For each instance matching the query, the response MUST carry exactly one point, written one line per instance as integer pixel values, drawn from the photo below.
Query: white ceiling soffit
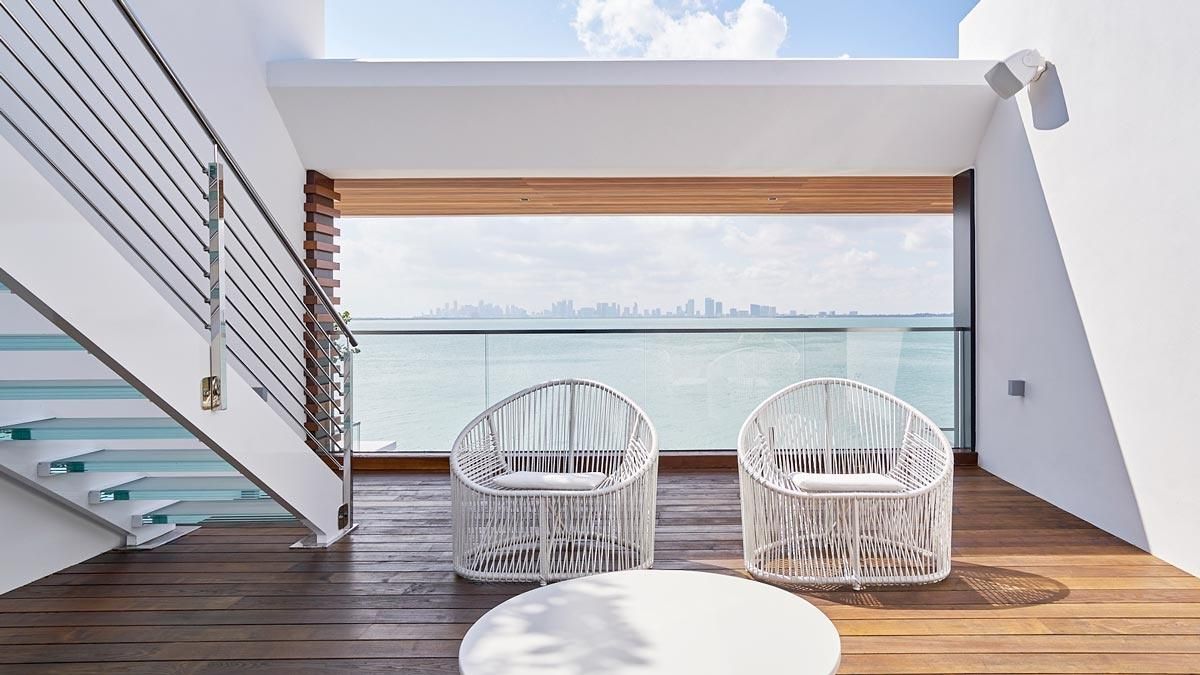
(370, 119)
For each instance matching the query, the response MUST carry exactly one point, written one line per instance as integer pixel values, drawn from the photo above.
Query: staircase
(72, 428)
(167, 358)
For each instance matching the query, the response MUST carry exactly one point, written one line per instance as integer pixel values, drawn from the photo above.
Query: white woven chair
(842, 483)
(564, 426)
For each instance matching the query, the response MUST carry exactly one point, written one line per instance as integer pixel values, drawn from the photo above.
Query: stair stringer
(45, 535)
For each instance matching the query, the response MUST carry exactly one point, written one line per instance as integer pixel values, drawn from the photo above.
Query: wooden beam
(312, 300)
(323, 209)
(327, 192)
(320, 245)
(697, 195)
(312, 245)
(321, 228)
(321, 264)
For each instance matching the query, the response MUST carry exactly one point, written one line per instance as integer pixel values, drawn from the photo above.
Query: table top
(652, 621)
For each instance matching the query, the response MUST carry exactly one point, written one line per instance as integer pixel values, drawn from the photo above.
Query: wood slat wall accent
(1033, 590)
(320, 246)
(699, 195)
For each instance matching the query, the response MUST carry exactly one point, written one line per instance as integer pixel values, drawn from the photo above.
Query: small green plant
(344, 345)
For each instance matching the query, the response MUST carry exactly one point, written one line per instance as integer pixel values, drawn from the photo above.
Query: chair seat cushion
(544, 480)
(846, 482)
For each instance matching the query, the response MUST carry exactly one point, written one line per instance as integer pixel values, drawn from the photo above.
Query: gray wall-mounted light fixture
(1016, 387)
(1028, 68)
(1011, 75)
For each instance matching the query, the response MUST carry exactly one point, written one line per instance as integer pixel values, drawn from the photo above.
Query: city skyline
(873, 264)
(567, 309)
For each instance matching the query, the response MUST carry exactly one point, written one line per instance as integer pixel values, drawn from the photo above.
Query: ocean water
(420, 390)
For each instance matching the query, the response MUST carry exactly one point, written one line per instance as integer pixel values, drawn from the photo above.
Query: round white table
(652, 621)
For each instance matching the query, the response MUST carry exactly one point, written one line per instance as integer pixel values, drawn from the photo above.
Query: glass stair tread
(186, 488)
(38, 343)
(201, 512)
(102, 422)
(133, 461)
(41, 390)
(96, 428)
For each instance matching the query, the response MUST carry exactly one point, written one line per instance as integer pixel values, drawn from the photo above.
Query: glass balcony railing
(419, 387)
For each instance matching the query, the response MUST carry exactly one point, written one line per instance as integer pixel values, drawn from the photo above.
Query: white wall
(220, 49)
(49, 536)
(1087, 268)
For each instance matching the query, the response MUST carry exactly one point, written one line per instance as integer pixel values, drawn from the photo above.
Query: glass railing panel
(916, 366)
(697, 386)
(703, 386)
(515, 362)
(418, 390)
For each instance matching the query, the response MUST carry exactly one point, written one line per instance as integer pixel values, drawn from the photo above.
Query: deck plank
(1033, 590)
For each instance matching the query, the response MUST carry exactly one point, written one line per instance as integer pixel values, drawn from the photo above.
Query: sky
(405, 267)
(449, 29)
(401, 267)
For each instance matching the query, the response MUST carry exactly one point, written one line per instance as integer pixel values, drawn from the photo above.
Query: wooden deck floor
(1034, 590)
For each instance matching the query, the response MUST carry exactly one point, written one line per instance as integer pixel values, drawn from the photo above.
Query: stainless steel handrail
(309, 278)
(328, 426)
(161, 185)
(658, 331)
(182, 138)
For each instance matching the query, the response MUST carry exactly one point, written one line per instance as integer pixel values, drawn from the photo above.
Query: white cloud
(632, 28)
(853, 258)
(405, 266)
(928, 235)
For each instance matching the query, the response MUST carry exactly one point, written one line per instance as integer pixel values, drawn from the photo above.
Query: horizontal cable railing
(86, 92)
(418, 385)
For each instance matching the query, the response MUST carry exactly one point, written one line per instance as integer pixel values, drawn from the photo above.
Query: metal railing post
(212, 396)
(329, 424)
(964, 391)
(346, 515)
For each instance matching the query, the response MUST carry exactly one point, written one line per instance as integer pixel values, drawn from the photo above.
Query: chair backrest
(566, 426)
(831, 425)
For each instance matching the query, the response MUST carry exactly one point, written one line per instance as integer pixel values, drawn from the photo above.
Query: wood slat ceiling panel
(706, 195)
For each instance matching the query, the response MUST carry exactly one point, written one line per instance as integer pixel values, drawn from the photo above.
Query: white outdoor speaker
(1012, 74)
